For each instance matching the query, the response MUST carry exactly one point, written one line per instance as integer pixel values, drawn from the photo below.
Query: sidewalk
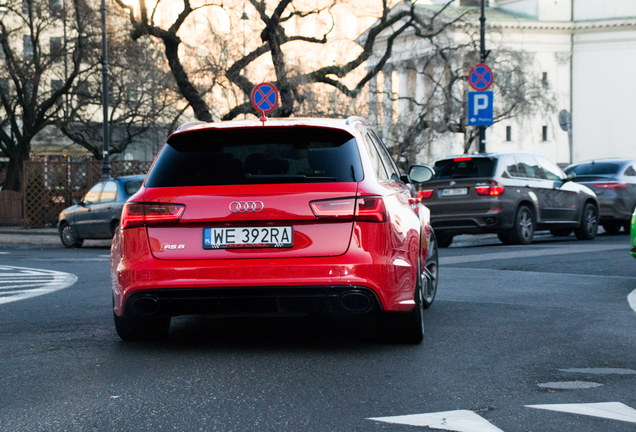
(39, 236)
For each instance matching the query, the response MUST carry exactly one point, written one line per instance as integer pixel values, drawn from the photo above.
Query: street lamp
(106, 161)
(244, 17)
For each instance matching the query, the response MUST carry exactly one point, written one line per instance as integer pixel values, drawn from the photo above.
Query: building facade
(581, 51)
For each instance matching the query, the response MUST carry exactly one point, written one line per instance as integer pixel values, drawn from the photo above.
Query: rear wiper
(286, 178)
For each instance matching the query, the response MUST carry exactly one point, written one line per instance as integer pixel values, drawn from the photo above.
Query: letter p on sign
(480, 108)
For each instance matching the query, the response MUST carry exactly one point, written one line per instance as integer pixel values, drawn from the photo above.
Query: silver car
(614, 181)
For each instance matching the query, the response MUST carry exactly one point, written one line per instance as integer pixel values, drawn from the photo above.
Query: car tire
(523, 230)
(612, 227)
(627, 226)
(561, 232)
(444, 240)
(140, 329)
(404, 327)
(114, 225)
(589, 223)
(429, 277)
(69, 238)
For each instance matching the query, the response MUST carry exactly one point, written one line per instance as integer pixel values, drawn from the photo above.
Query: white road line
(560, 250)
(19, 283)
(458, 421)
(631, 298)
(601, 371)
(608, 410)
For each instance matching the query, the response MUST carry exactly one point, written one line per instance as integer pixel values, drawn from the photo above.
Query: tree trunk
(15, 169)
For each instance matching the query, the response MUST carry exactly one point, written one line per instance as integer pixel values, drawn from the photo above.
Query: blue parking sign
(480, 110)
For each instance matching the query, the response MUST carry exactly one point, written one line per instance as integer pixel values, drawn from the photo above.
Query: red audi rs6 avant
(286, 217)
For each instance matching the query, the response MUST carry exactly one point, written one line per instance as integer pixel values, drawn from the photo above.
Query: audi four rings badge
(246, 206)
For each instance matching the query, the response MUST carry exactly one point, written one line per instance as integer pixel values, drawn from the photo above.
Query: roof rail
(356, 119)
(188, 125)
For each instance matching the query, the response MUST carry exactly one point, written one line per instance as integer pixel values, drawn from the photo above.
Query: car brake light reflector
(371, 209)
(340, 209)
(425, 194)
(461, 159)
(493, 189)
(611, 185)
(146, 214)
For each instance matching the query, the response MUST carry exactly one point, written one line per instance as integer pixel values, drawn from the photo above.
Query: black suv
(510, 194)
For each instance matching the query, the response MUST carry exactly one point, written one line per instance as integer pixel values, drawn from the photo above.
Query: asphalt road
(507, 325)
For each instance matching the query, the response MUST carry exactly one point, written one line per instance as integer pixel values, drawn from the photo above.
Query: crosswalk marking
(19, 283)
(608, 410)
(458, 421)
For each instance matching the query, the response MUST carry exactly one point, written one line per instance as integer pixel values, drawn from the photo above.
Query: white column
(403, 94)
(387, 102)
(420, 85)
(373, 101)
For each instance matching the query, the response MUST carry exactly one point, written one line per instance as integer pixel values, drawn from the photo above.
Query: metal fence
(50, 187)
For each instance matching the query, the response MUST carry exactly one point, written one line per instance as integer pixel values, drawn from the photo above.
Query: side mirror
(77, 202)
(420, 173)
(570, 176)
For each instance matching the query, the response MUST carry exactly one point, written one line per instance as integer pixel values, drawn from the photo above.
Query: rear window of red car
(257, 156)
(464, 168)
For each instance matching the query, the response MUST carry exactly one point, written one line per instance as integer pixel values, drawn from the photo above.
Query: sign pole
(482, 58)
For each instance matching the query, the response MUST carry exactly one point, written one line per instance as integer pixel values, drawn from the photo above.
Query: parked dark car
(614, 181)
(510, 194)
(98, 214)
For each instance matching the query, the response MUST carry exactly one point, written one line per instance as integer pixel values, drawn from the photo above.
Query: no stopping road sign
(265, 97)
(480, 77)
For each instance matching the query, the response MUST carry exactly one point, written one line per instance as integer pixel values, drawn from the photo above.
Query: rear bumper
(282, 285)
(614, 209)
(250, 301)
(472, 223)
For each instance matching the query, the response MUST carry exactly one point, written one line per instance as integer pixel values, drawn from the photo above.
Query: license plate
(248, 237)
(454, 192)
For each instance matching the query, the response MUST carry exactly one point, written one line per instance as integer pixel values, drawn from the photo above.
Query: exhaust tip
(355, 301)
(145, 305)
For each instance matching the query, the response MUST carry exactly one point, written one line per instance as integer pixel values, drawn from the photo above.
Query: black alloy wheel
(523, 230)
(405, 327)
(428, 278)
(627, 226)
(69, 238)
(589, 223)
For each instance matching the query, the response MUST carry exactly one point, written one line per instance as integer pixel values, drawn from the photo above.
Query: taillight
(493, 189)
(611, 185)
(340, 209)
(425, 194)
(461, 159)
(370, 209)
(136, 214)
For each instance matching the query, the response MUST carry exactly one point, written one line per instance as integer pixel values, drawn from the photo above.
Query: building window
(508, 133)
(55, 86)
(82, 92)
(544, 133)
(55, 6)
(472, 3)
(27, 47)
(4, 86)
(25, 7)
(55, 48)
(544, 79)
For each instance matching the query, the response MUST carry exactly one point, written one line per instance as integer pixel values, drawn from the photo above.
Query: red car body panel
(382, 256)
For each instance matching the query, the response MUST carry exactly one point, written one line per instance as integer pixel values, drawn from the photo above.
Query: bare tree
(272, 42)
(445, 64)
(34, 79)
(144, 102)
